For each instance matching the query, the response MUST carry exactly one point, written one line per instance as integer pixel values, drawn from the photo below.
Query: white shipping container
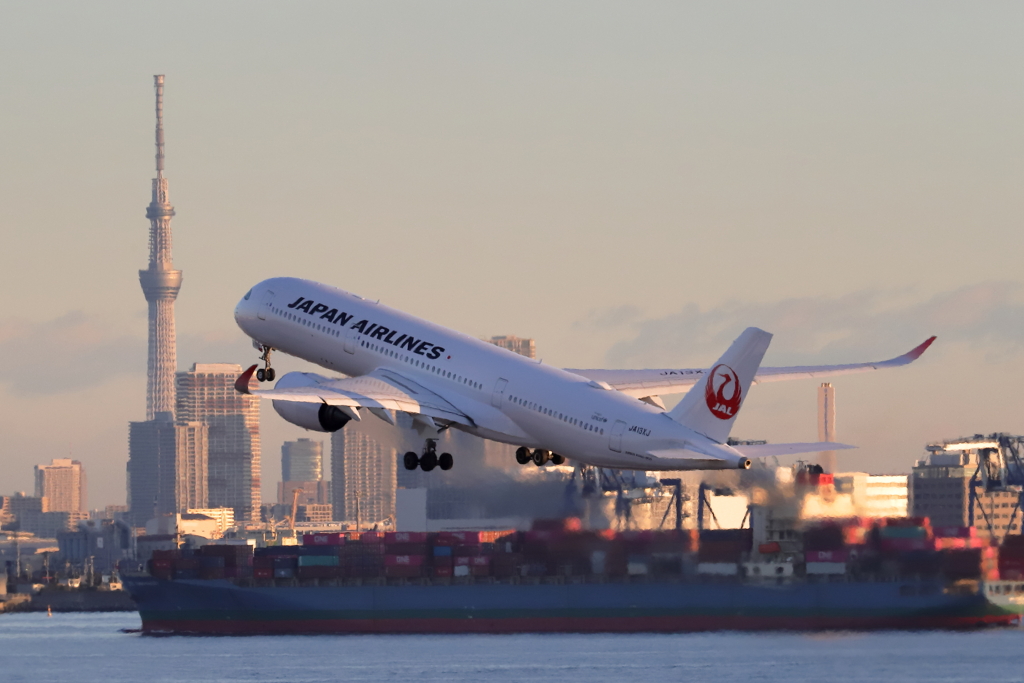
(461, 570)
(826, 567)
(718, 568)
(636, 568)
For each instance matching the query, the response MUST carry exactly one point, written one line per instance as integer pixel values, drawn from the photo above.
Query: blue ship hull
(226, 607)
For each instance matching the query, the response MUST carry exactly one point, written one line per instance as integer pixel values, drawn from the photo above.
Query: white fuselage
(545, 407)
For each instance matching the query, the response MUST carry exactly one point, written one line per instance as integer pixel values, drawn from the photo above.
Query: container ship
(852, 574)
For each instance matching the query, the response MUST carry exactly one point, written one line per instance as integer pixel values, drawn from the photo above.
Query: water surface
(90, 648)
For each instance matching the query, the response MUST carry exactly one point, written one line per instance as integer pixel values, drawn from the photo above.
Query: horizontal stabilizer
(763, 450)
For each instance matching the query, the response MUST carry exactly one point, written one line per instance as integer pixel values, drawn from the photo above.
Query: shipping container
(393, 537)
(718, 568)
(826, 568)
(323, 539)
(318, 561)
(404, 560)
(827, 555)
(404, 571)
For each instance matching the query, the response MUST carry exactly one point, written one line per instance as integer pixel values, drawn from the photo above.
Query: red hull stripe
(652, 624)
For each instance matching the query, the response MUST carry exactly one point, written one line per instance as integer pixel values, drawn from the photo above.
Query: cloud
(78, 350)
(72, 351)
(866, 325)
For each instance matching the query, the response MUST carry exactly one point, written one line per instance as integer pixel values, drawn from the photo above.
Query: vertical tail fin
(711, 406)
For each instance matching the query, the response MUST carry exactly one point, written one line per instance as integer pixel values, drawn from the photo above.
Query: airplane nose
(244, 308)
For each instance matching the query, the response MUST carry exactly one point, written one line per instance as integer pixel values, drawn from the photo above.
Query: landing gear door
(615, 439)
(350, 341)
(499, 392)
(265, 304)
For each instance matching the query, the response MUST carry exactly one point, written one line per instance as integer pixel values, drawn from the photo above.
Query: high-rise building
(62, 484)
(167, 467)
(941, 489)
(192, 465)
(206, 394)
(524, 347)
(363, 473)
(160, 282)
(302, 460)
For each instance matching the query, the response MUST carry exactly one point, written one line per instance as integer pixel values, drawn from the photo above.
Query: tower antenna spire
(158, 82)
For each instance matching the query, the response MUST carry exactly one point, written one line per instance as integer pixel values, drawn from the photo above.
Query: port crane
(1000, 467)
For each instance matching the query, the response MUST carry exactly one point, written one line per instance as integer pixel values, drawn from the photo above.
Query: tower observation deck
(160, 282)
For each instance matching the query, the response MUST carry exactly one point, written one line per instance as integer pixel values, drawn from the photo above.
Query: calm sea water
(87, 648)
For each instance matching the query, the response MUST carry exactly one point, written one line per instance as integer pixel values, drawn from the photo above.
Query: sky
(631, 184)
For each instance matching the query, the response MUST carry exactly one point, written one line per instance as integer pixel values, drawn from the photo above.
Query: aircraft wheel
(411, 461)
(428, 461)
(446, 461)
(523, 455)
(261, 375)
(557, 459)
(271, 374)
(540, 457)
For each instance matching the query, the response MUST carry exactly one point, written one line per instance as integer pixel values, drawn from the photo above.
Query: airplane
(397, 363)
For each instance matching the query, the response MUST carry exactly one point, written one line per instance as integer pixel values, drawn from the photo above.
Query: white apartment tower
(62, 485)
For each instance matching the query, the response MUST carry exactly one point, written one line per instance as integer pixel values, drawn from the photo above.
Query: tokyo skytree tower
(160, 282)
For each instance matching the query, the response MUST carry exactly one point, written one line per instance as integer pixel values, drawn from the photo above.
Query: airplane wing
(645, 383)
(377, 391)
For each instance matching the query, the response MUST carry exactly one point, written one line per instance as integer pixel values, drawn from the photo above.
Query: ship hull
(222, 607)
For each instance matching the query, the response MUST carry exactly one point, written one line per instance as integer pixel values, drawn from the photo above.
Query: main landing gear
(539, 457)
(429, 460)
(266, 373)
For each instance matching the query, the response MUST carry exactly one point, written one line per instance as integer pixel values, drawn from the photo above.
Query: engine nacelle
(318, 417)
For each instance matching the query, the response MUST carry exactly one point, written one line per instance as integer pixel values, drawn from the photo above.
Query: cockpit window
(247, 295)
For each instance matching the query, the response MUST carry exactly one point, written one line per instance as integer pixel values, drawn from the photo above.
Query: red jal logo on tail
(723, 393)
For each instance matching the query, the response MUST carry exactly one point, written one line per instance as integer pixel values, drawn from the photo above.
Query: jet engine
(319, 417)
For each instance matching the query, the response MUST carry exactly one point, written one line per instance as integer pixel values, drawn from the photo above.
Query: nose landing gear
(266, 373)
(429, 460)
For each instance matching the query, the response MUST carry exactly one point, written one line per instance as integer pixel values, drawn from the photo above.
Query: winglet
(918, 350)
(242, 383)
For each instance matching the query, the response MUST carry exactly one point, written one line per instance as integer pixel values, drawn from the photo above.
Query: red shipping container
(480, 561)
(443, 562)
(262, 572)
(480, 571)
(404, 560)
(443, 571)
(950, 542)
(543, 536)
(467, 550)
(323, 539)
(955, 532)
(403, 571)
(462, 561)
(827, 555)
(901, 545)
(371, 537)
(769, 548)
(460, 537)
(159, 554)
(392, 537)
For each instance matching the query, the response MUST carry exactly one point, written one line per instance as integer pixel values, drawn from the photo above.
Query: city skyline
(632, 191)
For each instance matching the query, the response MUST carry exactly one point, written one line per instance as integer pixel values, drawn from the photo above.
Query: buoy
(49, 613)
